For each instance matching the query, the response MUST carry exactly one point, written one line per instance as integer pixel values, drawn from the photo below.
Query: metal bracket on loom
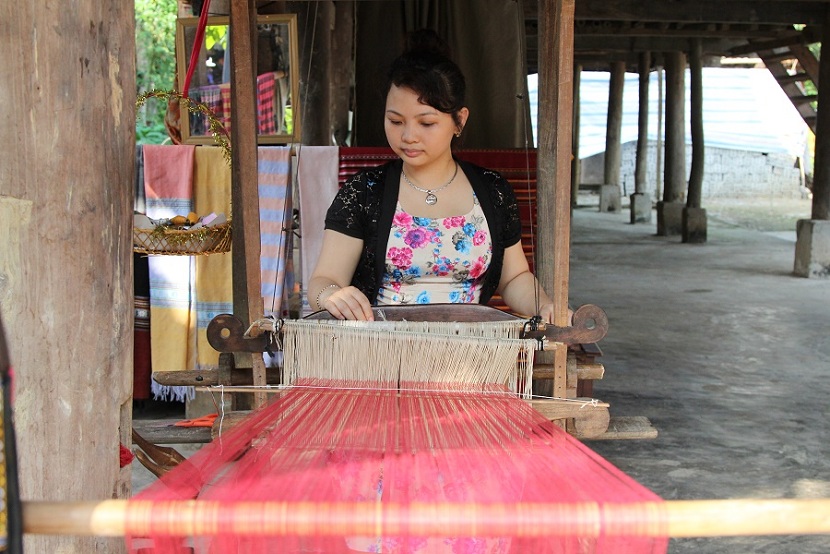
(589, 325)
(227, 333)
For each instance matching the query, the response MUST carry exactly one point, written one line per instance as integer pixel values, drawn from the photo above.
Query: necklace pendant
(431, 199)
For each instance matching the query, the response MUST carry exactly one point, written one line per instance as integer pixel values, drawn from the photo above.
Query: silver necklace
(431, 197)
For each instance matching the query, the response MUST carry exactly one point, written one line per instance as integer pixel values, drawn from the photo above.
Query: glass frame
(278, 111)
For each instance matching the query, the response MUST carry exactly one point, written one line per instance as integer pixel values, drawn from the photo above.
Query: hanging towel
(317, 169)
(225, 96)
(266, 88)
(214, 289)
(275, 217)
(168, 186)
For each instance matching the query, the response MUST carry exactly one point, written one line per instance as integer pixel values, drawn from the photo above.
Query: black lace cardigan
(365, 205)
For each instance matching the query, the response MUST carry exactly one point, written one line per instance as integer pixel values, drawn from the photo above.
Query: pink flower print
(478, 268)
(479, 237)
(455, 221)
(402, 219)
(443, 266)
(400, 257)
(416, 238)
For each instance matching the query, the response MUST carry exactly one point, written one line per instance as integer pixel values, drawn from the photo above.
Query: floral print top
(436, 260)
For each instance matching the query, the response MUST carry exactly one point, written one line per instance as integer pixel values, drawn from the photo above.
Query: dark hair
(426, 68)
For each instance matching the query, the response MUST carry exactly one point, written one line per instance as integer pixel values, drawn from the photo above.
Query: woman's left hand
(546, 313)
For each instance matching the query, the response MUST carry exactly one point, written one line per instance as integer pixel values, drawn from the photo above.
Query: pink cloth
(317, 170)
(168, 175)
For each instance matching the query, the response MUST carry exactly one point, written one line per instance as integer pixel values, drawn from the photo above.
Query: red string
(197, 46)
(395, 450)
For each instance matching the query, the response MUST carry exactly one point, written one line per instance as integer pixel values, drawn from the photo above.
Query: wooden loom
(540, 523)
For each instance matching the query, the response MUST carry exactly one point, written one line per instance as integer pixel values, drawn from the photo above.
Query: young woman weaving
(425, 228)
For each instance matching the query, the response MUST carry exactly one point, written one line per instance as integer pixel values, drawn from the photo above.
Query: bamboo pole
(677, 518)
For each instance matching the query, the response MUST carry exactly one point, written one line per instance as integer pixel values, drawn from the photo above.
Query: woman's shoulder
(369, 179)
(489, 179)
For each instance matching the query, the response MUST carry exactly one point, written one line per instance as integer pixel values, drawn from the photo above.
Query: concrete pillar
(694, 217)
(694, 225)
(670, 209)
(613, 142)
(610, 198)
(640, 205)
(812, 248)
(670, 218)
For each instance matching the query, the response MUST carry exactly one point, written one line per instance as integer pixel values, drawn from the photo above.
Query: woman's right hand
(347, 303)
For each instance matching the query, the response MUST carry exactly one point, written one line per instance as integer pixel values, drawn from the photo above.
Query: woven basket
(182, 242)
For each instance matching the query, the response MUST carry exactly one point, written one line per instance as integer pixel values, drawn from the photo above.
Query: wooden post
(342, 46)
(641, 163)
(556, 33)
(575, 163)
(821, 175)
(67, 175)
(613, 130)
(696, 93)
(315, 21)
(246, 251)
(658, 158)
(674, 182)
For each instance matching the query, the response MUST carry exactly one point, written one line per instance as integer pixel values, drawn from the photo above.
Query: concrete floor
(725, 352)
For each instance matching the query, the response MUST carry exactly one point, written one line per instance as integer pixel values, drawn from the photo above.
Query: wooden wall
(66, 194)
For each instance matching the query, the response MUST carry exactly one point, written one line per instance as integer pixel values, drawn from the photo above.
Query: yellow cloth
(213, 283)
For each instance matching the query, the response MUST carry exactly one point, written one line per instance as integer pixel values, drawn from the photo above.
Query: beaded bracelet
(319, 294)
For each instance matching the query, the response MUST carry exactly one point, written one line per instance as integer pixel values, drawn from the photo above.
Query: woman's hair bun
(427, 41)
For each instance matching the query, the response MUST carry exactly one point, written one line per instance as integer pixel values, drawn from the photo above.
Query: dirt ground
(760, 214)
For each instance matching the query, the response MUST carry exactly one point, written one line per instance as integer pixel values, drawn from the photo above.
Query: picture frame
(277, 75)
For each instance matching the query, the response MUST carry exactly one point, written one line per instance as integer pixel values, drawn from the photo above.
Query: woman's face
(417, 132)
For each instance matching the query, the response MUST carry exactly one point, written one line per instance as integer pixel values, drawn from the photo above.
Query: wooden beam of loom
(677, 518)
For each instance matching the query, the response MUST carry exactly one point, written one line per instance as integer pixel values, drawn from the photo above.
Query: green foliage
(155, 38)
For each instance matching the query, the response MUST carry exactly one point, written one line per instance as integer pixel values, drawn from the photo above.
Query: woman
(425, 228)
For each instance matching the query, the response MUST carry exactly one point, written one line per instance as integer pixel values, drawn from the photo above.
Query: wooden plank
(712, 11)
(556, 35)
(162, 431)
(213, 377)
(246, 251)
(584, 371)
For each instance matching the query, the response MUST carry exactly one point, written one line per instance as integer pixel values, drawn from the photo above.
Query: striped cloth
(275, 214)
(225, 97)
(168, 186)
(266, 89)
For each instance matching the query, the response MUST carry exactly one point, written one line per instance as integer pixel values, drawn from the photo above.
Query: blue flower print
(422, 221)
(463, 246)
(423, 298)
(469, 229)
(455, 297)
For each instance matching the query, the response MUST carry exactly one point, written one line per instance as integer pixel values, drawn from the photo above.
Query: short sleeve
(508, 204)
(347, 211)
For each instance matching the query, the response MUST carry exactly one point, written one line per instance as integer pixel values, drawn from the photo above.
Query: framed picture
(277, 82)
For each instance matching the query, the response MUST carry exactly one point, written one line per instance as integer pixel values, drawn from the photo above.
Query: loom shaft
(683, 518)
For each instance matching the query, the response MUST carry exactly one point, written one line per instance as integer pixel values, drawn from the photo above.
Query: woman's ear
(463, 114)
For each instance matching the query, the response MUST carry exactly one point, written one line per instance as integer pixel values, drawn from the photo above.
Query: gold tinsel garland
(220, 134)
